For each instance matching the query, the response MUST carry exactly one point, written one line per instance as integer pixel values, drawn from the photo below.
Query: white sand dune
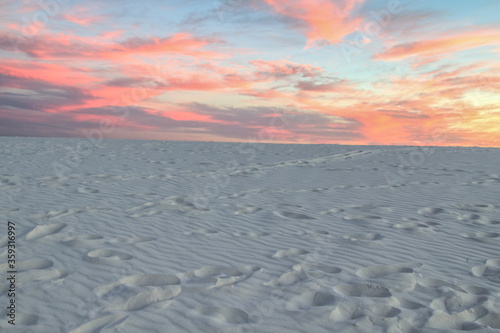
(150, 236)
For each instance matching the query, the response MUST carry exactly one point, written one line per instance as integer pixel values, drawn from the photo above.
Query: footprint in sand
(492, 319)
(315, 267)
(430, 211)
(438, 284)
(377, 271)
(247, 210)
(225, 315)
(285, 205)
(57, 214)
(106, 257)
(310, 299)
(144, 299)
(465, 320)
(96, 325)
(35, 270)
(490, 270)
(332, 211)
(314, 233)
(372, 209)
(482, 236)
(90, 240)
(401, 282)
(476, 219)
(250, 234)
(7, 184)
(41, 275)
(27, 265)
(108, 178)
(468, 217)
(86, 190)
(85, 240)
(415, 226)
(364, 237)
(132, 240)
(233, 196)
(218, 276)
(362, 290)
(406, 304)
(476, 208)
(287, 279)
(364, 219)
(52, 181)
(289, 253)
(487, 221)
(424, 183)
(441, 287)
(316, 271)
(147, 213)
(44, 230)
(175, 203)
(347, 311)
(294, 216)
(454, 302)
(201, 232)
(140, 280)
(320, 189)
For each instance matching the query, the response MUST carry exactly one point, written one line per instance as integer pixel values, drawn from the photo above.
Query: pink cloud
(81, 19)
(323, 20)
(111, 34)
(281, 68)
(436, 48)
(56, 46)
(53, 73)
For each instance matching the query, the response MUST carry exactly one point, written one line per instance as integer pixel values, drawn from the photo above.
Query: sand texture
(151, 236)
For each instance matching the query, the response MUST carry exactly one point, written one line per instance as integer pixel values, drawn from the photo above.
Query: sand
(152, 236)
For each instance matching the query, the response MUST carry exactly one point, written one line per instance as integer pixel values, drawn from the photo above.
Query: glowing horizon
(381, 72)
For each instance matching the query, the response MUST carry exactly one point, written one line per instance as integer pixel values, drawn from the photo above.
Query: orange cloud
(460, 103)
(438, 47)
(324, 20)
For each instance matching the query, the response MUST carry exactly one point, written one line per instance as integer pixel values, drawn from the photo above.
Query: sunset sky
(391, 72)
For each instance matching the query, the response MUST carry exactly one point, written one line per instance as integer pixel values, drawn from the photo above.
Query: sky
(363, 72)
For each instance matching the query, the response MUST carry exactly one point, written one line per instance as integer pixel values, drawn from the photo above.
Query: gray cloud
(45, 93)
(233, 123)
